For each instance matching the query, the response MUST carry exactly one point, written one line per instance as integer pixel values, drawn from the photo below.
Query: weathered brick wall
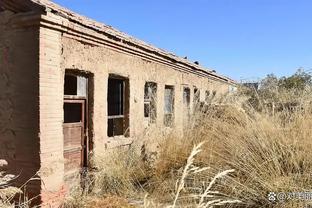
(19, 91)
(51, 82)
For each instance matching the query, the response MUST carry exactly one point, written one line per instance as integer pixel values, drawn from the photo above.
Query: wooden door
(74, 136)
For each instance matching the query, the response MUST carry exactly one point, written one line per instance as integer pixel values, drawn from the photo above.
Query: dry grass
(111, 177)
(11, 196)
(94, 201)
(118, 177)
(207, 198)
(7, 191)
(261, 152)
(270, 153)
(110, 202)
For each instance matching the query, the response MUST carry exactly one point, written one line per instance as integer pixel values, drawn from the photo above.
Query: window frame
(118, 124)
(169, 116)
(150, 100)
(207, 96)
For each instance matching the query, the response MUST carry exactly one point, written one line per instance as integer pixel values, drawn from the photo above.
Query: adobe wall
(19, 92)
(102, 61)
(64, 48)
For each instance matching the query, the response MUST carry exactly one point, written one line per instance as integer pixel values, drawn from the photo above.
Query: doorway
(75, 124)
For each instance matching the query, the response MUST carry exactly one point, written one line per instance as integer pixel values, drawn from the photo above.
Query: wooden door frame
(84, 122)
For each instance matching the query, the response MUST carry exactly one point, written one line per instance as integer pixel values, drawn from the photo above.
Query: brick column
(51, 117)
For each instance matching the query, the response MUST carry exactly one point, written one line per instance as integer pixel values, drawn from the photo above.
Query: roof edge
(44, 6)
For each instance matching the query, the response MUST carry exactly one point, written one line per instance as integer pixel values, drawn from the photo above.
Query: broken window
(196, 96)
(196, 99)
(115, 97)
(70, 85)
(118, 106)
(72, 112)
(150, 92)
(75, 85)
(207, 96)
(186, 97)
(214, 93)
(169, 105)
(186, 102)
(75, 91)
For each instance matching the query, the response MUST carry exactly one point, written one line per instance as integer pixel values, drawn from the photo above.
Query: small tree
(269, 88)
(299, 81)
(278, 92)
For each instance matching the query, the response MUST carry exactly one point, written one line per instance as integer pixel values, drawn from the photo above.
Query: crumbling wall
(102, 61)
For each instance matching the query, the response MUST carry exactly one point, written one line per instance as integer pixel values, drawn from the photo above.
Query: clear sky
(237, 38)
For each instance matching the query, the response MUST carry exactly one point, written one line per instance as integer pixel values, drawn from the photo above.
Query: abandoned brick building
(70, 85)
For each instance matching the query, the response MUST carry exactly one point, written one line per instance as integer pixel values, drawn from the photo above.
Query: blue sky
(237, 38)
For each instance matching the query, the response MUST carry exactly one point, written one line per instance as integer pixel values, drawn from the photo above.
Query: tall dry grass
(117, 176)
(270, 152)
(244, 155)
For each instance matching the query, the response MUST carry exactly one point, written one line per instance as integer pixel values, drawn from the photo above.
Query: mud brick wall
(102, 61)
